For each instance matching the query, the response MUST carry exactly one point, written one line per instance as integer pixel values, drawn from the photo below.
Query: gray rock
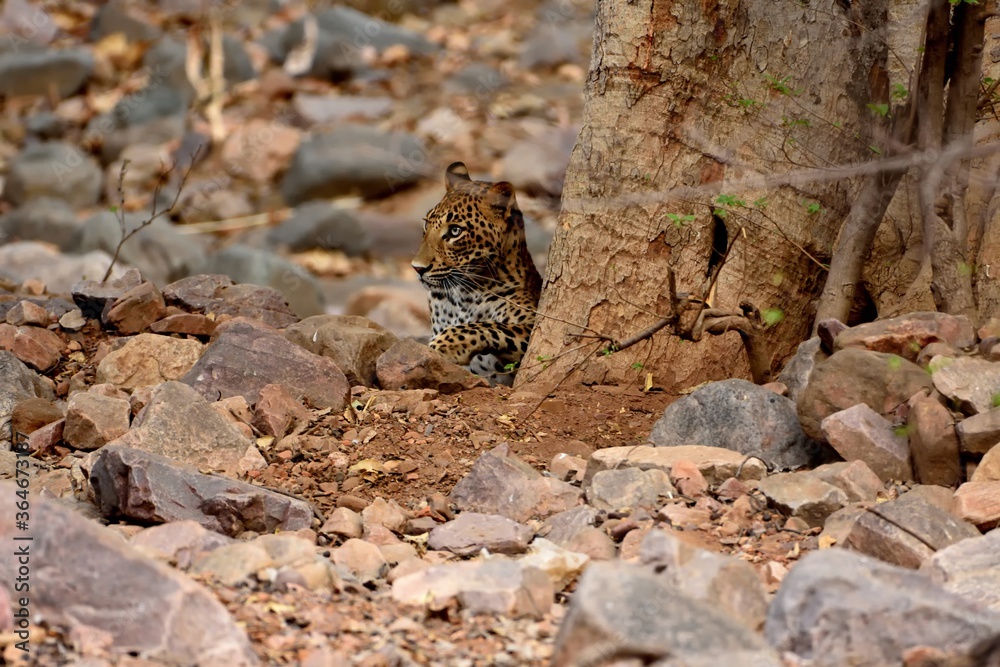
(53, 169)
(494, 587)
(973, 384)
(838, 608)
(17, 383)
(353, 343)
(500, 483)
(621, 610)
(148, 488)
(217, 294)
(179, 424)
(537, 165)
(246, 356)
(472, 532)
(563, 527)
(802, 495)
(318, 224)
(628, 488)
(980, 433)
(46, 219)
(740, 416)
(323, 109)
(479, 79)
(722, 582)
(861, 434)
(906, 531)
(795, 375)
(342, 34)
(160, 253)
(970, 568)
(352, 160)
(113, 17)
(31, 72)
(237, 66)
(166, 617)
(27, 259)
(153, 115)
(881, 381)
(262, 267)
(178, 542)
(550, 44)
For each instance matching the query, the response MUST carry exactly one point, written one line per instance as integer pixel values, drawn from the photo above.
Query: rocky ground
(238, 452)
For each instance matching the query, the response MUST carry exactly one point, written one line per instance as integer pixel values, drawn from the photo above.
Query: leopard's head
(469, 234)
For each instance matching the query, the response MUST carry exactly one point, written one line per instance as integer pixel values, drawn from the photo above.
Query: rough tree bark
(685, 101)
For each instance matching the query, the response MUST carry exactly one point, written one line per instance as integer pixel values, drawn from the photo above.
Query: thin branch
(154, 214)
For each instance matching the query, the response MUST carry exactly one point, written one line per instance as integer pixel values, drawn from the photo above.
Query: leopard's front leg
(485, 348)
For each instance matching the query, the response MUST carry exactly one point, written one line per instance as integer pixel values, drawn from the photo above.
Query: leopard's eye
(454, 231)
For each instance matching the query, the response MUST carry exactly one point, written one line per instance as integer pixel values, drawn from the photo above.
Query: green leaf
(895, 362)
(880, 109)
(772, 316)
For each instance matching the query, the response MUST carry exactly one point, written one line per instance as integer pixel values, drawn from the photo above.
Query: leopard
(482, 282)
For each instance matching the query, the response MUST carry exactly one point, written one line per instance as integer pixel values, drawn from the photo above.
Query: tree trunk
(761, 102)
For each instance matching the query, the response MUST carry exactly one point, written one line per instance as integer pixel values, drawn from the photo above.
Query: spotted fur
(483, 285)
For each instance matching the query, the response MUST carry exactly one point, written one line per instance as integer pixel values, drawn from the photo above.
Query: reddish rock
(881, 381)
(344, 522)
(568, 468)
(688, 479)
(178, 423)
(277, 411)
(978, 503)
(410, 365)
(92, 296)
(47, 436)
(715, 463)
(989, 467)
(631, 488)
(191, 324)
(178, 542)
(135, 310)
(245, 356)
(217, 294)
(362, 560)
(933, 442)
(149, 488)
(802, 495)
(38, 348)
(93, 420)
(383, 513)
(353, 343)
(27, 313)
(32, 414)
(860, 433)
(148, 360)
(908, 334)
(855, 478)
(906, 531)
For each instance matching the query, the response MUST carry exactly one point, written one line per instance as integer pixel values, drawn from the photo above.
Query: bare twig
(154, 214)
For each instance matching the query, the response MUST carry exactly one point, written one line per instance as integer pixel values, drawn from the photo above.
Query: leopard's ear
(501, 195)
(456, 171)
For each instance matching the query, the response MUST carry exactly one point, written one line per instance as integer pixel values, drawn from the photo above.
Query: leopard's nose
(421, 269)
